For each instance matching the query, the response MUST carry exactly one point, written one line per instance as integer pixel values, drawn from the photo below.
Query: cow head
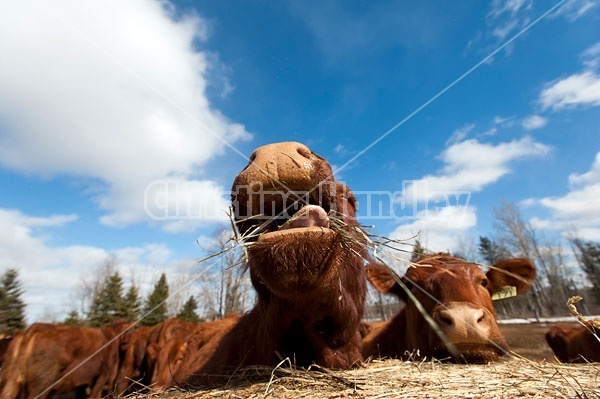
(305, 248)
(458, 297)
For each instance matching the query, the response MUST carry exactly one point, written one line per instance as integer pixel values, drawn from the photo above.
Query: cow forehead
(449, 273)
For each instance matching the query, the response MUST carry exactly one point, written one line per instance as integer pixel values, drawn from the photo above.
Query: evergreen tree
(491, 252)
(588, 257)
(418, 252)
(73, 319)
(156, 303)
(12, 307)
(108, 305)
(133, 305)
(188, 311)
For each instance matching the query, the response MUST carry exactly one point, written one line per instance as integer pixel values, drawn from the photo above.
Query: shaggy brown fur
(309, 278)
(52, 358)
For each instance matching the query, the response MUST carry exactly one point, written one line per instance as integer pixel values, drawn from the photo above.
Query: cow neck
(394, 334)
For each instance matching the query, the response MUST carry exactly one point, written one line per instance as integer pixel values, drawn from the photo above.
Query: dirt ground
(528, 340)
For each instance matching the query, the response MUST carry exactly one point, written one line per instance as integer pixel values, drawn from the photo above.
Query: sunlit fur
(310, 282)
(439, 283)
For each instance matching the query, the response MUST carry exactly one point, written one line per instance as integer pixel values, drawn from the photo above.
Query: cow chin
(297, 260)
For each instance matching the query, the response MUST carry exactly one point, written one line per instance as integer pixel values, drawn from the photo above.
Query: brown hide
(457, 296)
(4, 342)
(308, 274)
(575, 344)
(61, 359)
(171, 347)
(202, 343)
(134, 371)
(159, 336)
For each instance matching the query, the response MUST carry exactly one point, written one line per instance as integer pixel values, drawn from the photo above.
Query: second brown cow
(457, 295)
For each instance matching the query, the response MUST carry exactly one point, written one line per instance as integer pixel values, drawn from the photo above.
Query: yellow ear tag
(508, 291)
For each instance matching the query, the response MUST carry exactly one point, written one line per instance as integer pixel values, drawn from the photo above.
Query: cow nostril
(303, 151)
(252, 157)
(446, 320)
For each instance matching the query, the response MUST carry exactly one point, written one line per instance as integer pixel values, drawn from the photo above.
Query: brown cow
(4, 342)
(458, 297)
(305, 265)
(176, 353)
(134, 371)
(49, 359)
(168, 350)
(150, 355)
(575, 344)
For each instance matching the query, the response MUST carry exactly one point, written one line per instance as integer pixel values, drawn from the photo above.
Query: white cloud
(502, 121)
(460, 134)
(591, 56)
(578, 209)
(471, 165)
(24, 249)
(440, 230)
(50, 274)
(507, 16)
(341, 150)
(578, 89)
(511, 7)
(503, 31)
(589, 178)
(533, 122)
(574, 9)
(118, 97)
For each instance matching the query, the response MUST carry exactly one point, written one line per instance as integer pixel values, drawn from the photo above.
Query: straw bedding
(508, 378)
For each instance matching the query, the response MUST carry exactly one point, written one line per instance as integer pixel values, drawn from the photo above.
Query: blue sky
(100, 101)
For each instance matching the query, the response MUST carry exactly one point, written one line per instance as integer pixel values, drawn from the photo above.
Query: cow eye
(484, 282)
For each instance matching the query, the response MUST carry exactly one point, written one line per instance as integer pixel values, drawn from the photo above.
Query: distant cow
(4, 342)
(458, 297)
(49, 359)
(305, 263)
(168, 349)
(575, 344)
(134, 371)
(182, 351)
(152, 354)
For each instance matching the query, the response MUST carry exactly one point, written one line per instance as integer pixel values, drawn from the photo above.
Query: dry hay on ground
(508, 378)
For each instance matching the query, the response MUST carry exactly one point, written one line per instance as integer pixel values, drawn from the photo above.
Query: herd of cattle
(310, 271)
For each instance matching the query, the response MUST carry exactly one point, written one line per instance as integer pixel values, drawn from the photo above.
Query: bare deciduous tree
(552, 288)
(226, 287)
(91, 284)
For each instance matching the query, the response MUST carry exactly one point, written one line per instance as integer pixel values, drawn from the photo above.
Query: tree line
(111, 303)
(225, 288)
(103, 296)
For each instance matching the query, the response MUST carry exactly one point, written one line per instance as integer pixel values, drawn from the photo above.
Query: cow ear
(518, 273)
(384, 279)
